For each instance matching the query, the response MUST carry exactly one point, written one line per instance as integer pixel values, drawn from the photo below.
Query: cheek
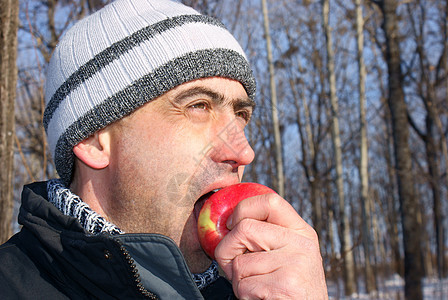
(164, 159)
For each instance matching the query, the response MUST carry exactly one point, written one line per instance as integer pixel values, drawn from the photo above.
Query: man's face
(173, 150)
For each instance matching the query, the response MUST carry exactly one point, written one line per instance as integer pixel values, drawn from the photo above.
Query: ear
(94, 151)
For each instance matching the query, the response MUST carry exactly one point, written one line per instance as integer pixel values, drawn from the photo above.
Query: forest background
(351, 123)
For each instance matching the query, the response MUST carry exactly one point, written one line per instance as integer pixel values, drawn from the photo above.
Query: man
(146, 103)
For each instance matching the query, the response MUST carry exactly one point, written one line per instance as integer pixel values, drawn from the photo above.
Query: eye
(200, 106)
(199, 111)
(243, 114)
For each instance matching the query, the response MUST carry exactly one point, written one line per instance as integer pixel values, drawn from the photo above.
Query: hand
(271, 252)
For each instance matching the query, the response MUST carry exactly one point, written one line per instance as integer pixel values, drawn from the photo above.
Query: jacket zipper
(136, 275)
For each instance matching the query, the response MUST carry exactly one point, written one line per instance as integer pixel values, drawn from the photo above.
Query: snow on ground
(393, 288)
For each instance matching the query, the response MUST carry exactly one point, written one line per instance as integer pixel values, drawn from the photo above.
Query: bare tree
(280, 179)
(9, 10)
(346, 243)
(392, 219)
(426, 91)
(409, 206)
(364, 160)
(386, 190)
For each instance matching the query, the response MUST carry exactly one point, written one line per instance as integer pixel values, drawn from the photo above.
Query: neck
(89, 188)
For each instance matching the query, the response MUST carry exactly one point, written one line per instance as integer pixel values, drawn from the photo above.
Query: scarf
(71, 205)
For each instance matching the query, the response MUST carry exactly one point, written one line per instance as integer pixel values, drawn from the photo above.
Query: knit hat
(126, 54)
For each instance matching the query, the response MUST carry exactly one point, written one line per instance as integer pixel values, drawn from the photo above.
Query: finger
(290, 282)
(270, 208)
(248, 288)
(249, 235)
(255, 236)
(263, 263)
(268, 286)
(257, 263)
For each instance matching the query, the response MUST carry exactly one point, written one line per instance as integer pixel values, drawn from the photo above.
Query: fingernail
(229, 222)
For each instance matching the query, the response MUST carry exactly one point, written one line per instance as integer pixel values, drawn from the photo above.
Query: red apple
(217, 209)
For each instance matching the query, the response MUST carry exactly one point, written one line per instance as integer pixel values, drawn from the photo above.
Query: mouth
(200, 202)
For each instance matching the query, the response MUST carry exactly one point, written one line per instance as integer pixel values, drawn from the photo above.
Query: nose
(231, 145)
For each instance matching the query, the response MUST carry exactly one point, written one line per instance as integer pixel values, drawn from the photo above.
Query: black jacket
(53, 257)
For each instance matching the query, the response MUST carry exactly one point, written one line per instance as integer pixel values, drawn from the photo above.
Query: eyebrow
(217, 98)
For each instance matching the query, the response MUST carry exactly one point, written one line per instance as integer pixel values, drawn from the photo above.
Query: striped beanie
(126, 54)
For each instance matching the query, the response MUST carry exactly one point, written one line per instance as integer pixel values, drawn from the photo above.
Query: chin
(198, 262)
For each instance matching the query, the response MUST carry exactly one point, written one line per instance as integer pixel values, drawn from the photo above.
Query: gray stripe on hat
(114, 52)
(199, 64)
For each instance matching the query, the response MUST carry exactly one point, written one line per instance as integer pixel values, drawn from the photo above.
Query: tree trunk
(9, 10)
(390, 191)
(346, 243)
(427, 258)
(363, 164)
(378, 244)
(413, 271)
(426, 89)
(308, 163)
(280, 180)
(443, 146)
(434, 174)
(392, 212)
(335, 263)
(443, 140)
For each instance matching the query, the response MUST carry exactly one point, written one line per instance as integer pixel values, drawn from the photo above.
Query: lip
(208, 191)
(200, 202)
